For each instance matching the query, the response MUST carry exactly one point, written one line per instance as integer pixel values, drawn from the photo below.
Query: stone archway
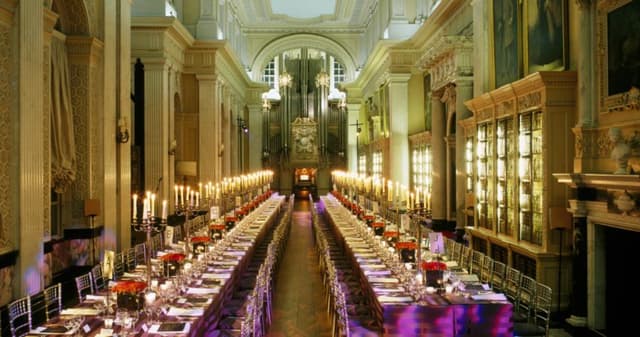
(73, 17)
(341, 53)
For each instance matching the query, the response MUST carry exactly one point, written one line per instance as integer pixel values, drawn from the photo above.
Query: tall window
(269, 74)
(421, 160)
(376, 164)
(362, 164)
(337, 72)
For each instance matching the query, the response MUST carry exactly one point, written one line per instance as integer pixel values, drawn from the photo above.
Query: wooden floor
(298, 303)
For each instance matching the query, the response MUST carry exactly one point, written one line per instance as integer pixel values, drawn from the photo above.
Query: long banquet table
(197, 308)
(398, 310)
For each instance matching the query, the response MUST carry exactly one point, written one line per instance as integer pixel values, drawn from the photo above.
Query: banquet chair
(53, 300)
(118, 265)
(486, 272)
(477, 258)
(130, 259)
(97, 277)
(454, 255)
(539, 325)
(526, 296)
(498, 276)
(141, 253)
(511, 285)
(20, 316)
(84, 283)
(465, 257)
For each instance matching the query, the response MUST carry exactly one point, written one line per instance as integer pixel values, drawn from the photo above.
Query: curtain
(63, 147)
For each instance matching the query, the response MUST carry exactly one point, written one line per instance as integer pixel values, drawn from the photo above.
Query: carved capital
(583, 4)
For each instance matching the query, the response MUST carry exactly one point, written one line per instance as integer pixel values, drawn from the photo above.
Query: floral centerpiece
(199, 244)
(172, 263)
(434, 271)
(215, 230)
(130, 294)
(230, 221)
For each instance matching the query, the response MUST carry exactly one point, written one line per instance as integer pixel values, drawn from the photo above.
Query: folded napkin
(95, 298)
(173, 311)
(395, 299)
(203, 291)
(170, 328)
(216, 275)
(489, 297)
(79, 312)
(377, 272)
(383, 279)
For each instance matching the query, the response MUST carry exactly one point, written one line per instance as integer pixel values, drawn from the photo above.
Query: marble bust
(621, 150)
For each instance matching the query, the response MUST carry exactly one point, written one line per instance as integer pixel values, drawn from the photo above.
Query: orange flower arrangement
(173, 257)
(433, 265)
(200, 239)
(129, 287)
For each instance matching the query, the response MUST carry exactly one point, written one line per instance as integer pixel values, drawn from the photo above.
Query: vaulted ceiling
(308, 16)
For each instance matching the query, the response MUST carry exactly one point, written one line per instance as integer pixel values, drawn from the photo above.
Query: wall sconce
(122, 132)
(172, 147)
(242, 125)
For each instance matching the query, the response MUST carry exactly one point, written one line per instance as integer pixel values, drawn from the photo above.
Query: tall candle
(164, 209)
(200, 188)
(176, 193)
(145, 208)
(135, 206)
(153, 204)
(182, 194)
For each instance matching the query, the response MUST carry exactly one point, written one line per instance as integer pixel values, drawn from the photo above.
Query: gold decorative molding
(419, 139)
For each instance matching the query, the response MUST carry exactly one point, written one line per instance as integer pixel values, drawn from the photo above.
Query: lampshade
(91, 207)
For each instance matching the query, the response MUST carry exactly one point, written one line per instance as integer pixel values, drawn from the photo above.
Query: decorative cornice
(629, 182)
(448, 58)
(418, 139)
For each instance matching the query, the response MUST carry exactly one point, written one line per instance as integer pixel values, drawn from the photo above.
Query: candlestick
(164, 209)
(135, 206)
(176, 193)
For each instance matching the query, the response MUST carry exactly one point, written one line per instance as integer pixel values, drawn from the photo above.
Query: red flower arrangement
(129, 287)
(433, 265)
(172, 257)
(200, 239)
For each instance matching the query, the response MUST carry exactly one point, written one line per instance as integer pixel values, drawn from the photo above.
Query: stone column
(438, 173)
(353, 110)
(481, 38)
(399, 128)
(156, 127)
(464, 92)
(31, 194)
(119, 237)
(227, 128)
(587, 96)
(107, 129)
(255, 137)
(217, 131)
(207, 86)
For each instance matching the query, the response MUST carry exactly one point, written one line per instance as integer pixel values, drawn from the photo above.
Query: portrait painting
(505, 41)
(623, 48)
(545, 35)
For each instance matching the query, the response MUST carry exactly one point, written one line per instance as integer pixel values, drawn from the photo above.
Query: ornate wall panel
(79, 76)
(6, 101)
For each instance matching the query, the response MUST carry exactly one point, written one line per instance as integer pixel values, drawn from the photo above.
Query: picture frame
(616, 20)
(506, 32)
(623, 47)
(545, 35)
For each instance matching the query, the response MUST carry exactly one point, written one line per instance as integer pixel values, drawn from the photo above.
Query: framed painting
(623, 48)
(505, 26)
(545, 36)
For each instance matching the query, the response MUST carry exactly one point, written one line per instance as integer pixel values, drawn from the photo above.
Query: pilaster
(207, 102)
(156, 127)
(118, 235)
(31, 133)
(587, 101)
(399, 127)
(464, 92)
(438, 173)
(207, 26)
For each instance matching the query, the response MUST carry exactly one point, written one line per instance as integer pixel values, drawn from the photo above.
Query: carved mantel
(612, 190)
(448, 59)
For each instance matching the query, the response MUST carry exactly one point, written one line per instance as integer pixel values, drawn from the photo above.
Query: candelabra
(186, 209)
(149, 224)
